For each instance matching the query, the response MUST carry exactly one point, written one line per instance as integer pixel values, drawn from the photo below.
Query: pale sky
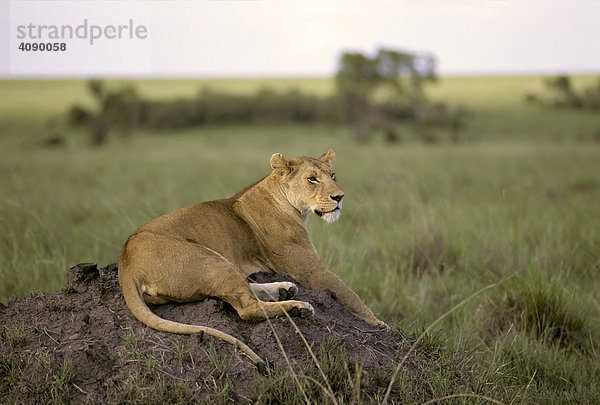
(305, 37)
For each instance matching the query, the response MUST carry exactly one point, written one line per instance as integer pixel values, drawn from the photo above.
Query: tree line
(374, 94)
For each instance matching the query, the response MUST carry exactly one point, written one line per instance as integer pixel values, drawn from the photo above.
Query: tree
(401, 75)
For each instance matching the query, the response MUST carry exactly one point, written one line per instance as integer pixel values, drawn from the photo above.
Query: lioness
(209, 249)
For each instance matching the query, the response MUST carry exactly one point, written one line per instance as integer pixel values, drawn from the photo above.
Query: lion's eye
(332, 176)
(313, 179)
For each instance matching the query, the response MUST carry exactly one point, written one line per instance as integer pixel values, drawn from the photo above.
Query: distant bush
(560, 93)
(402, 77)
(120, 108)
(124, 110)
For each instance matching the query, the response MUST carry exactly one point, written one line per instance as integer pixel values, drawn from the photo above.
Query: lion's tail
(133, 298)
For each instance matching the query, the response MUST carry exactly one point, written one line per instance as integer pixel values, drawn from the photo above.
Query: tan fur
(209, 249)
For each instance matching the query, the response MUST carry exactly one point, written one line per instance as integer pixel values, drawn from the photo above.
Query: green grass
(36, 381)
(423, 227)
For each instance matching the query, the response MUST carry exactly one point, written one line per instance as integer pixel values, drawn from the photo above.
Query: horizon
(150, 76)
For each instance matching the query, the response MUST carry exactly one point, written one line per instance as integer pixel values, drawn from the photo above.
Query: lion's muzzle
(332, 214)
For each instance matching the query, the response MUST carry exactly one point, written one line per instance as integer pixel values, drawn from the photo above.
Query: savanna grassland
(424, 225)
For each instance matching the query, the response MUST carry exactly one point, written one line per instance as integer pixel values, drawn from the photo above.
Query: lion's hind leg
(258, 310)
(250, 307)
(277, 291)
(201, 271)
(242, 297)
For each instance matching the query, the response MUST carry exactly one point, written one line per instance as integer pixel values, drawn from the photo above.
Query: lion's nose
(337, 198)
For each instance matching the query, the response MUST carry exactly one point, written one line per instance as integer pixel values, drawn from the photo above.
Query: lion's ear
(277, 161)
(328, 157)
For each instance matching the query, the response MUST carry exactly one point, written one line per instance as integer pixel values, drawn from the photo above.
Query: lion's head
(310, 185)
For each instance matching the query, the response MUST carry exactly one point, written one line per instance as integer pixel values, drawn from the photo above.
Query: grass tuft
(544, 310)
(432, 255)
(14, 335)
(33, 377)
(219, 381)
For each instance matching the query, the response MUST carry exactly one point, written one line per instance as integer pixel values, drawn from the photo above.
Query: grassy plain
(424, 225)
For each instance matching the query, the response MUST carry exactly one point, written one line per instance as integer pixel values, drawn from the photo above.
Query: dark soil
(83, 345)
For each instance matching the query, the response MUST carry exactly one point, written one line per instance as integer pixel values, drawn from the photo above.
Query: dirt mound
(82, 344)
